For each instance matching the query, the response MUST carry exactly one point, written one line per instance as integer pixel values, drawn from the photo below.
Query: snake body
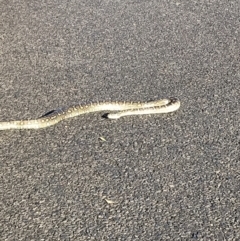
(124, 108)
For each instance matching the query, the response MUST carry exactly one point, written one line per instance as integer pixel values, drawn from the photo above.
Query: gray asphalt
(161, 177)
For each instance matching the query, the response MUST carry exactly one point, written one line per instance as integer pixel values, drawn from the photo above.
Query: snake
(123, 108)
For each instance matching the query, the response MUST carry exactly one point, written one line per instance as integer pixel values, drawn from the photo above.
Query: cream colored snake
(124, 108)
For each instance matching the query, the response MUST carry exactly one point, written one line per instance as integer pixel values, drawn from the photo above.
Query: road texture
(156, 177)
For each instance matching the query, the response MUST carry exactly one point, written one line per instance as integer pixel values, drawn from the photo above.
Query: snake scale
(124, 108)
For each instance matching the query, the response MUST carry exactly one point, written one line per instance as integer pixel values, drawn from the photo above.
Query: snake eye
(173, 99)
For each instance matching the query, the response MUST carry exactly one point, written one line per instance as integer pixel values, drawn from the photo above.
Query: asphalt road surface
(155, 177)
